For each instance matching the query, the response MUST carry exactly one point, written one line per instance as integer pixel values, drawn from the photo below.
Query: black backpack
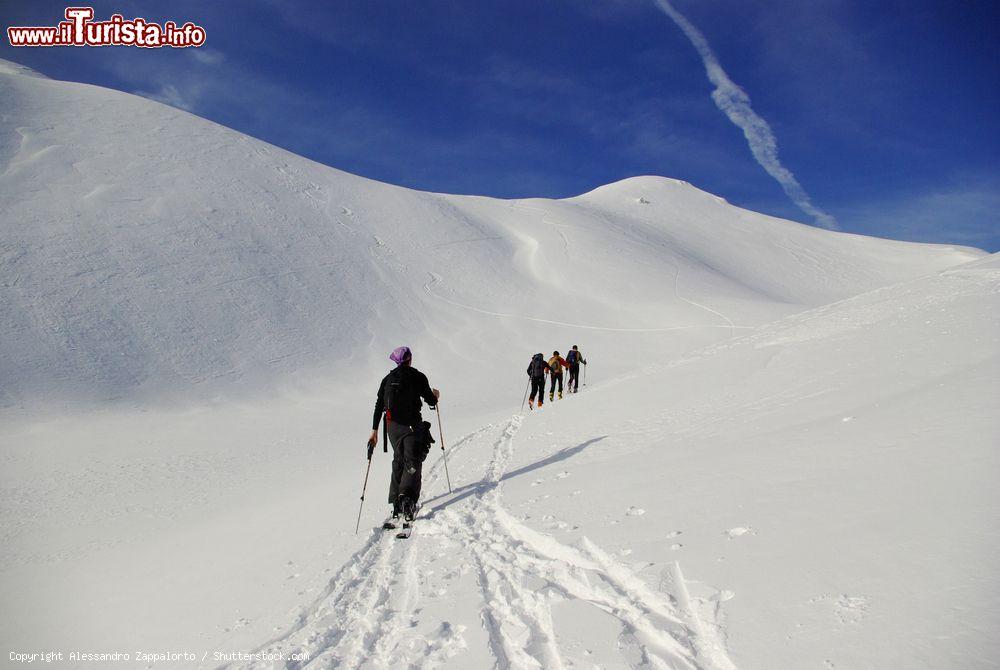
(537, 367)
(396, 389)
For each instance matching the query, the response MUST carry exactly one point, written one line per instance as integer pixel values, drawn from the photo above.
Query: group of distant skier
(538, 368)
(397, 408)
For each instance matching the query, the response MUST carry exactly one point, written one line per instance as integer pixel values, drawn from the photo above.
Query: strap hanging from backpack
(388, 400)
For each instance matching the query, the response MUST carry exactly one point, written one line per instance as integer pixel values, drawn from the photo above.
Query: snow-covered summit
(149, 249)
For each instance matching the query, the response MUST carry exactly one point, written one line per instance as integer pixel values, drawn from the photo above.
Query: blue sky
(885, 112)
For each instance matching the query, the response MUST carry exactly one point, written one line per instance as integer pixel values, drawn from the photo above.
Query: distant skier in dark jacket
(537, 369)
(399, 397)
(574, 358)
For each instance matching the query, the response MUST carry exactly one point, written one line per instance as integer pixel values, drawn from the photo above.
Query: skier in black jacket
(537, 369)
(399, 397)
(574, 358)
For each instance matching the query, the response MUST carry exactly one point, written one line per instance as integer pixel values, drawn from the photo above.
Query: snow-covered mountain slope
(146, 249)
(782, 456)
(819, 493)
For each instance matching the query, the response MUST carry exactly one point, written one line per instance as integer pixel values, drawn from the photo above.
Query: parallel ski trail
(356, 621)
(370, 614)
(511, 559)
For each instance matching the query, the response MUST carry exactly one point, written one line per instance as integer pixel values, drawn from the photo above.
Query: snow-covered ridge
(12, 68)
(146, 249)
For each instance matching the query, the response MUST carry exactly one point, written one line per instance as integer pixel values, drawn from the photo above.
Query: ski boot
(409, 509)
(393, 521)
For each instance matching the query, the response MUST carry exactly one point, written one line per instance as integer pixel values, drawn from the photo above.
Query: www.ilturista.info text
(79, 29)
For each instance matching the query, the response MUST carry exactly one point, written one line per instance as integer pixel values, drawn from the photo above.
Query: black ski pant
(556, 378)
(537, 387)
(574, 377)
(409, 449)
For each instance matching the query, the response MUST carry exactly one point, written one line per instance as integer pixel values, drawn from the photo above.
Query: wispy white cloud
(965, 211)
(735, 104)
(169, 95)
(207, 56)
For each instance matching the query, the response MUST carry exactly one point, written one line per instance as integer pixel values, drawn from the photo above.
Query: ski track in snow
(677, 294)
(436, 279)
(369, 616)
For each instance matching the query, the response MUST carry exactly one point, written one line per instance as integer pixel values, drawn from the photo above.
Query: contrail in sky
(735, 104)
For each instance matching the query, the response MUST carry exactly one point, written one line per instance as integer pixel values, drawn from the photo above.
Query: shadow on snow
(482, 486)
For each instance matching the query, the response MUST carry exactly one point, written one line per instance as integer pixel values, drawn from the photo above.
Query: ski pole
(584, 374)
(444, 454)
(364, 487)
(525, 395)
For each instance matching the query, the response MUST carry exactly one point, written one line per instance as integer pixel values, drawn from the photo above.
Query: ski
(389, 524)
(407, 527)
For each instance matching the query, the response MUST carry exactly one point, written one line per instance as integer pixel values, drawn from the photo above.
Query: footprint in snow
(847, 608)
(739, 531)
(635, 511)
(239, 623)
(851, 609)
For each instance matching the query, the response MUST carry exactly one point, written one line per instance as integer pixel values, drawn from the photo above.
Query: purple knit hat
(400, 355)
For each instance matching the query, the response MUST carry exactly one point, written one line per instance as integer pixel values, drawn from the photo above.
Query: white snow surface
(784, 456)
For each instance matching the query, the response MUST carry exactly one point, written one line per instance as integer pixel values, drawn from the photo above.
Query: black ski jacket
(537, 367)
(413, 386)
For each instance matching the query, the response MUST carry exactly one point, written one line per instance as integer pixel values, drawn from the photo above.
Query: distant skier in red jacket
(556, 365)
